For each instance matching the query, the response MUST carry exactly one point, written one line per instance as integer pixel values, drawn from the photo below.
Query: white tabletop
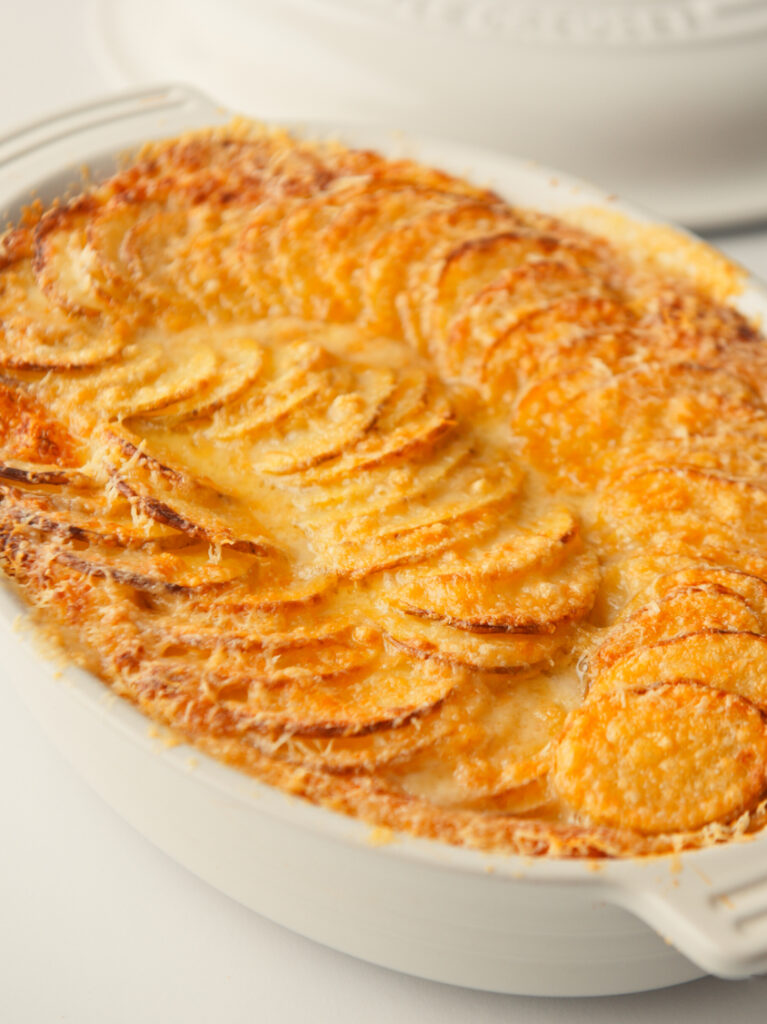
(96, 925)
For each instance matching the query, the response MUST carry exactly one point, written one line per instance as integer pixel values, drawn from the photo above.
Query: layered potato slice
(438, 511)
(40, 330)
(582, 423)
(665, 759)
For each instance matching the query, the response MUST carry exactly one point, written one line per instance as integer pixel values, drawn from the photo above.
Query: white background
(97, 926)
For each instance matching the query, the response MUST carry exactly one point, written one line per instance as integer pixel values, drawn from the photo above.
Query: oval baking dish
(488, 921)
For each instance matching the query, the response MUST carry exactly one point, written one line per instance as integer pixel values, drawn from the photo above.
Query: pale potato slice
(297, 374)
(332, 430)
(37, 335)
(64, 263)
(464, 503)
(669, 759)
(415, 416)
(500, 741)
(732, 661)
(236, 371)
(363, 753)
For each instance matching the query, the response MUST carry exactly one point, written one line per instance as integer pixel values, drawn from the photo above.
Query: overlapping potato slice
(683, 490)
(578, 424)
(498, 743)
(351, 704)
(734, 661)
(30, 434)
(347, 410)
(36, 334)
(396, 260)
(169, 495)
(526, 266)
(425, 523)
(682, 610)
(187, 568)
(236, 371)
(750, 588)
(482, 652)
(82, 515)
(557, 337)
(415, 416)
(532, 581)
(366, 752)
(666, 759)
(522, 313)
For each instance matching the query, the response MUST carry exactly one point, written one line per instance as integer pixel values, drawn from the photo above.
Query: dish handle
(71, 137)
(710, 905)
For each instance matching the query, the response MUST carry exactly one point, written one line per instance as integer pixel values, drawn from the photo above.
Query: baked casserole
(436, 511)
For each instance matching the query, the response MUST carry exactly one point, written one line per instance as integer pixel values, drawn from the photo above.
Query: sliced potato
(732, 661)
(482, 652)
(669, 759)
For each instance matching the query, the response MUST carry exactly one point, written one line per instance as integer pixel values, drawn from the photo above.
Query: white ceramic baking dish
(501, 923)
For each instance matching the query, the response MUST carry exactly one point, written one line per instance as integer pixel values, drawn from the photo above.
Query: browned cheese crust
(443, 513)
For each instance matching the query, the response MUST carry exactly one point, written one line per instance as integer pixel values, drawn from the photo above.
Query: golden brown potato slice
(362, 753)
(669, 759)
(31, 437)
(556, 338)
(169, 495)
(546, 293)
(522, 262)
(753, 589)
(359, 221)
(350, 705)
(188, 568)
(687, 490)
(537, 602)
(483, 652)
(83, 516)
(395, 260)
(577, 424)
(732, 661)
(34, 473)
(682, 610)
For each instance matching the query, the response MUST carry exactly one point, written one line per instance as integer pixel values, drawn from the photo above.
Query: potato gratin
(442, 513)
